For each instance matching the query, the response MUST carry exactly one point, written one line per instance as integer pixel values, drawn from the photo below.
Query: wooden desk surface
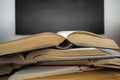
(105, 74)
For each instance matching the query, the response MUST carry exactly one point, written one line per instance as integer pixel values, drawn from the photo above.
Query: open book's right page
(85, 38)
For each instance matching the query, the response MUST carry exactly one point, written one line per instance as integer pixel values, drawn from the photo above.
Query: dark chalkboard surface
(34, 16)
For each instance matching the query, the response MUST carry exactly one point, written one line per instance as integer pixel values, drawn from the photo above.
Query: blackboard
(35, 16)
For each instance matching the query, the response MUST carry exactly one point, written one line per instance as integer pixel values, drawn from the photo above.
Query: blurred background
(7, 20)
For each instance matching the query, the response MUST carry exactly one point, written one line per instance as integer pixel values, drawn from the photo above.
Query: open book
(51, 55)
(44, 71)
(44, 40)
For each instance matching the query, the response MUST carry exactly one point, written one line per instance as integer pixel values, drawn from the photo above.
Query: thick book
(48, 39)
(100, 74)
(45, 71)
(50, 55)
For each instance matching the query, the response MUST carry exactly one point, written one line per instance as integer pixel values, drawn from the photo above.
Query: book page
(65, 33)
(42, 71)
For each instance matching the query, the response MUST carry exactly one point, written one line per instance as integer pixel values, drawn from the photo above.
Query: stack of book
(48, 54)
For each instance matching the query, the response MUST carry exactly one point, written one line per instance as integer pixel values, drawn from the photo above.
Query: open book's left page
(32, 42)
